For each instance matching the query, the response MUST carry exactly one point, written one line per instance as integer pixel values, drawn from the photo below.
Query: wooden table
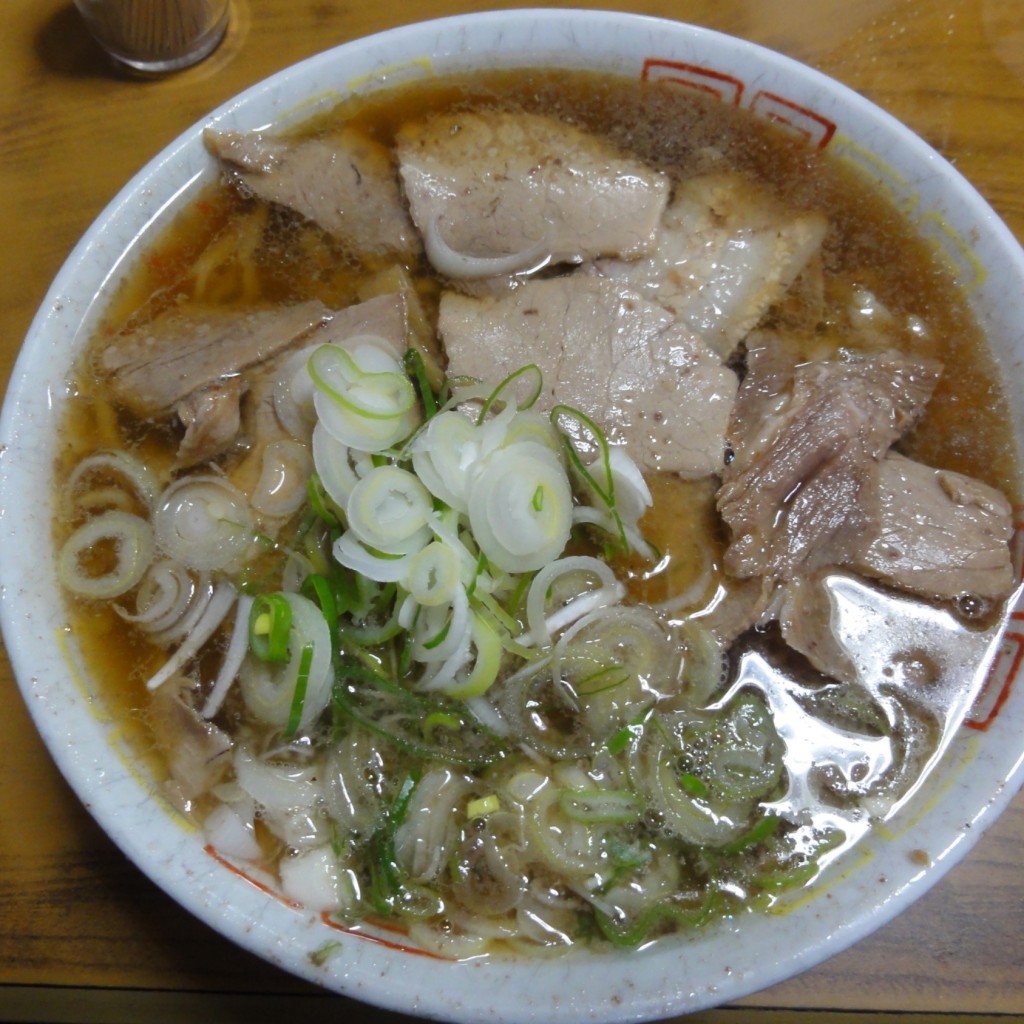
(83, 935)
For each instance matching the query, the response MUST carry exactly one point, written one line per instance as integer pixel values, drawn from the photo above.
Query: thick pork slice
(346, 183)
(499, 193)
(211, 417)
(622, 360)
(938, 534)
(727, 251)
(798, 492)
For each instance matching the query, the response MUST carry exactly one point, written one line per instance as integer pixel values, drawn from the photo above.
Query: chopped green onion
(483, 806)
(601, 680)
(440, 636)
(481, 568)
(487, 642)
(318, 501)
(439, 720)
(574, 426)
(318, 589)
(580, 430)
(417, 370)
(628, 934)
(535, 385)
(299, 696)
(766, 827)
(693, 785)
(270, 622)
(628, 733)
(380, 704)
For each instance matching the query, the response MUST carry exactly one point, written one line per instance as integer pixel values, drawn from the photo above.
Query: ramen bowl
(977, 776)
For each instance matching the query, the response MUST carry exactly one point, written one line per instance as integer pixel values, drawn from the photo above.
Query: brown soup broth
(237, 252)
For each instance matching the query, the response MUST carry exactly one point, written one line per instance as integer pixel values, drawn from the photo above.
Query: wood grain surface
(84, 936)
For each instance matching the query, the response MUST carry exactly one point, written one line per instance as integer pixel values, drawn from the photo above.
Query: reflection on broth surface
(533, 509)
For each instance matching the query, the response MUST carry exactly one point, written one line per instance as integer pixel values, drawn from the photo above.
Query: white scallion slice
(364, 407)
(434, 574)
(284, 473)
(276, 787)
(601, 805)
(125, 538)
(122, 466)
(460, 265)
(232, 660)
(164, 596)
(520, 510)
(293, 395)
(444, 453)
(388, 511)
(203, 522)
(338, 467)
(564, 591)
(214, 613)
(349, 551)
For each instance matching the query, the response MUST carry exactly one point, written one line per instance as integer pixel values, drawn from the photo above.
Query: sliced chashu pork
(345, 182)
(498, 193)
(727, 251)
(938, 533)
(622, 360)
(154, 367)
(798, 492)
(198, 363)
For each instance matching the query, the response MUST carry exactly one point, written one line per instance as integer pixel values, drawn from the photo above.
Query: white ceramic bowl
(980, 773)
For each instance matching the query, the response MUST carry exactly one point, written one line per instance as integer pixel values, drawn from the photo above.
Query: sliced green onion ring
(270, 624)
(140, 477)
(388, 510)
(511, 532)
(363, 398)
(582, 572)
(434, 573)
(131, 541)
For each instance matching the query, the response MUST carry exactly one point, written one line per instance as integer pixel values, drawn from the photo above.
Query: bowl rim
(373, 973)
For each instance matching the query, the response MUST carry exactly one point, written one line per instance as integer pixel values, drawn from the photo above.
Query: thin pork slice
(727, 251)
(622, 360)
(154, 367)
(345, 182)
(499, 193)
